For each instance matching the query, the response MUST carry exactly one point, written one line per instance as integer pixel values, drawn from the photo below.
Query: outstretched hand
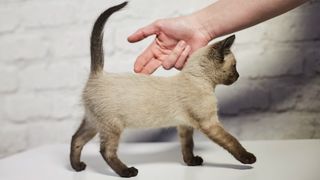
(175, 40)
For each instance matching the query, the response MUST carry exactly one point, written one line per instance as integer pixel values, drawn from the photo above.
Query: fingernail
(137, 69)
(167, 65)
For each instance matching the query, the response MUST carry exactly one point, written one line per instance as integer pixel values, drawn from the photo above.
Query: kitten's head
(216, 62)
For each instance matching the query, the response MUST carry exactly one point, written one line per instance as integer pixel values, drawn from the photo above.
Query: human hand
(176, 38)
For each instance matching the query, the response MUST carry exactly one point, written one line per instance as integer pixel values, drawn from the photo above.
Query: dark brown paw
(195, 161)
(79, 167)
(247, 158)
(129, 172)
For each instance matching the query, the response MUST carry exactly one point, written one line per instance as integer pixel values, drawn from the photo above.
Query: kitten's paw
(247, 158)
(195, 161)
(79, 167)
(129, 172)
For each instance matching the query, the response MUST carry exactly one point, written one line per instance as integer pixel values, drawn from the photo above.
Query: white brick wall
(44, 63)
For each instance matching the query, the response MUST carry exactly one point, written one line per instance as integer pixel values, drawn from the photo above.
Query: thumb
(144, 32)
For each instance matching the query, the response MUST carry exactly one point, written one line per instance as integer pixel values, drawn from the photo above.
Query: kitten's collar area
(194, 68)
(199, 80)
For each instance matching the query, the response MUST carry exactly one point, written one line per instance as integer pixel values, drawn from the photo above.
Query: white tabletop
(283, 160)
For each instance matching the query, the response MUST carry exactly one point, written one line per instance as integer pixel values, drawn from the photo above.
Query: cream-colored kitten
(114, 102)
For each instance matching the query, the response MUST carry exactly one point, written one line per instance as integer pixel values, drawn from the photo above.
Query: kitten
(114, 102)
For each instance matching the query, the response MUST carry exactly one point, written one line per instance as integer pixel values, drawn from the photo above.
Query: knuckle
(175, 53)
(158, 22)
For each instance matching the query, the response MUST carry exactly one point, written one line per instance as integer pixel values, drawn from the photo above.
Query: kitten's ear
(227, 43)
(224, 45)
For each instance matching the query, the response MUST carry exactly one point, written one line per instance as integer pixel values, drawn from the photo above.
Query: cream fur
(141, 101)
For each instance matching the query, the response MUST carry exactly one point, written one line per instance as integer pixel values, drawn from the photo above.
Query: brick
(3, 115)
(9, 19)
(119, 63)
(53, 76)
(48, 13)
(23, 47)
(48, 132)
(69, 41)
(13, 139)
(82, 68)
(241, 96)
(274, 126)
(5, 2)
(276, 61)
(176, 8)
(309, 97)
(294, 26)
(21, 107)
(67, 105)
(300, 127)
(254, 34)
(88, 11)
(8, 79)
(312, 62)
(310, 7)
(284, 95)
(24, 107)
(316, 123)
(121, 34)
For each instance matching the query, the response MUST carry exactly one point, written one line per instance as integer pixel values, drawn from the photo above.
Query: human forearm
(228, 16)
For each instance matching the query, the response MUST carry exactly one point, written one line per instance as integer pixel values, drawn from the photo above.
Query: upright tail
(97, 57)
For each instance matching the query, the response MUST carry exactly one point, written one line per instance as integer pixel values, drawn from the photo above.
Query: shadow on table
(171, 154)
(228, 166)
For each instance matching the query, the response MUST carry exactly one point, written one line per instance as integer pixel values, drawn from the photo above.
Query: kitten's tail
(97, 57)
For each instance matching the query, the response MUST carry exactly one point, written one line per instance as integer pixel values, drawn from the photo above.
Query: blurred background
(44, 63)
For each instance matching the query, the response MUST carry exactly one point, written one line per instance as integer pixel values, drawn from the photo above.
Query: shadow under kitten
(169, 155)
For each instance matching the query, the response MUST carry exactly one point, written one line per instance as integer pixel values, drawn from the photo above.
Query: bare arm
(178, 37)
(228, 16)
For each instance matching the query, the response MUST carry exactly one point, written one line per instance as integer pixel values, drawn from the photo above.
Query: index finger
(143, 33)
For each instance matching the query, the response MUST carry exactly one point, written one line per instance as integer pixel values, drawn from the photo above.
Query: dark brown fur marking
(84, 134)
(185, 134)
(108, 149)
(97, 57)
(217, 134)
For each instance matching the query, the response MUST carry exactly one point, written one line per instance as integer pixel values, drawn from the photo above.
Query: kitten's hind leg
(185, 134)
(217, 134)
(84, 134)
(108, 149)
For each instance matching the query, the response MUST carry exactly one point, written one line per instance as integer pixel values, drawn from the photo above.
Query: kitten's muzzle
(232, 79)
(237, 76)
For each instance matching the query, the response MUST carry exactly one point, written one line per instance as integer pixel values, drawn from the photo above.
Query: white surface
(285, 160)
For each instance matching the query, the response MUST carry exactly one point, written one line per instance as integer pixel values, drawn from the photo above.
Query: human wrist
(205, 24)
(201, 31)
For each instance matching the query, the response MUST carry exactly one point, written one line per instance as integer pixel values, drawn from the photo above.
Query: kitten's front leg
(217, 134)
(185, 134)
